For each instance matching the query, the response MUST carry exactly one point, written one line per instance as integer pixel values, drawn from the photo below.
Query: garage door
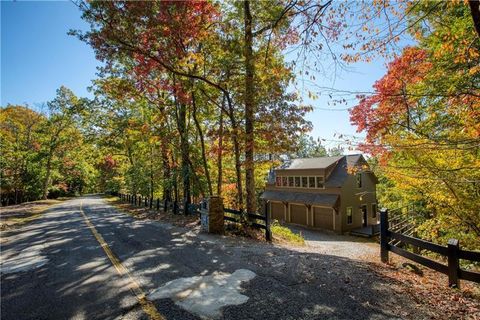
(277, 210)
(298, 214)
(323, 218)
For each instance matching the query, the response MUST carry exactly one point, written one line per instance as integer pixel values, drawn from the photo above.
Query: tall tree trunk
(184, 150)
(475, 10)
(202, 144)
(230, 112)
(152, 183)
(167, 186)
(195, 179)
(236, 151)
(219, 154)
(249, 110)
(132, 165)
(181, 117)
(47, 175)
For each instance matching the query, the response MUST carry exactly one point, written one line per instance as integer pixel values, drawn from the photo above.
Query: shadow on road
(78, 281)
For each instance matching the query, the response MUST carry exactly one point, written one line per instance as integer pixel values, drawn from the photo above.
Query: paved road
(57, 268)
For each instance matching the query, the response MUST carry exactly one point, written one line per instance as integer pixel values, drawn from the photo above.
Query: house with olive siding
(332, 193)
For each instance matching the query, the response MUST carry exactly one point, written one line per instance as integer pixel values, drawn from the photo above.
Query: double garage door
(322, 217)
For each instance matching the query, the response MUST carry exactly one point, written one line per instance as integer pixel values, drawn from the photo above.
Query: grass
(284, 234)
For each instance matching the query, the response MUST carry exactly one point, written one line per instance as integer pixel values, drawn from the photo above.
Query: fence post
(384, 235)
(268, 232)
(453, 263)
(158, 204)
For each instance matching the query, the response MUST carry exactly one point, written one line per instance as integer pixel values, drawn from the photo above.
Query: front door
(364, 215)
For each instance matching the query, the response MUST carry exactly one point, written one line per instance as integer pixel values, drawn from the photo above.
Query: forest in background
(196, 99)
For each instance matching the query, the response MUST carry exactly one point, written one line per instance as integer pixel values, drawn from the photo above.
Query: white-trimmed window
(285, 181)
(304, 182)
(349, 215)
(297, 182)
(320, 182)
(311, 182)
(290, 182)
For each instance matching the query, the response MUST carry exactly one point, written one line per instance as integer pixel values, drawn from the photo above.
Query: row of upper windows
(317, 182)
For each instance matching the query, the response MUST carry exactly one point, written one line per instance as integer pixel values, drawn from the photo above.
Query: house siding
(343, 184)
(350, 198)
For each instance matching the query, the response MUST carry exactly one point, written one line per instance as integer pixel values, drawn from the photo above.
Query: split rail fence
(394, 240)
(152, 203)
(256, 221)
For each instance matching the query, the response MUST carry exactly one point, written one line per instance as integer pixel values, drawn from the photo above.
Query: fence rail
(256, 221)
(157, 204)
(392, 240)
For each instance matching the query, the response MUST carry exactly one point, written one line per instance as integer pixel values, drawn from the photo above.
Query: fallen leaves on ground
(431, 290)
(16, 215)
(143, 213)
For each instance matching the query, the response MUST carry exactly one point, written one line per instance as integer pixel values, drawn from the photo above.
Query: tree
(19, 132)
(188, 58)
(45, 155)
(58, 130)
(422, 122)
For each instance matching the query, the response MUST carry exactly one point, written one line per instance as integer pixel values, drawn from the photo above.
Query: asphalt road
(58, 268)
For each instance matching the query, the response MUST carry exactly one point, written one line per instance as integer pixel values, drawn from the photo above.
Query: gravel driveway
(325, 242)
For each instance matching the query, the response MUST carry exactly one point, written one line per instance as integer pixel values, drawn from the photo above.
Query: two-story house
(334, 193)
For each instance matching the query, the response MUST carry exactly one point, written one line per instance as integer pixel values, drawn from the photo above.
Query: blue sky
(37, 57)
(37, 54)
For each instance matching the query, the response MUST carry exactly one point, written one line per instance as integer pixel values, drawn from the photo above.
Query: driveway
(85, 260)
(325, 242)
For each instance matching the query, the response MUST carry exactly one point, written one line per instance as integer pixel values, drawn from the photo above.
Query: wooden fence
(394, 240)
(256, 220)
(157, 204)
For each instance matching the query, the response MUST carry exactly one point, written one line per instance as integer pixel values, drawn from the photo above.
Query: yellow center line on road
(147, 306)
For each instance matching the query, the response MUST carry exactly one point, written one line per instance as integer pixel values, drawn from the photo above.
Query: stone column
(215, 214)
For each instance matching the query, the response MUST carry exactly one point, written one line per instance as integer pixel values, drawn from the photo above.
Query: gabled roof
(339, 173)
(301, 197)
(320, 162)
(311, 163)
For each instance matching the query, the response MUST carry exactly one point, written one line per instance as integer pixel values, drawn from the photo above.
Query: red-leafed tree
(423, 123)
